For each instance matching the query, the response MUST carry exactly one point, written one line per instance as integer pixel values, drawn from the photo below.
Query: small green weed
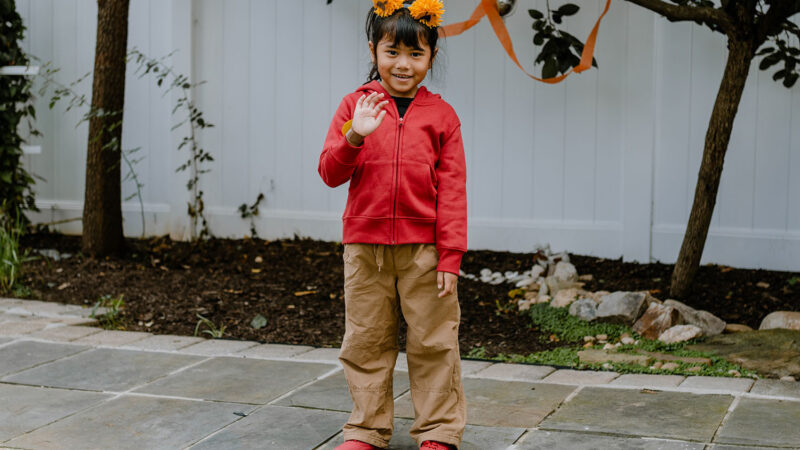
(113, 318)
(792, 281)
(213, 331)
(477, 353)
(507, 307)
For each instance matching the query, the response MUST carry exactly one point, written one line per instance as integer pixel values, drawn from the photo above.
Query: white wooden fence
(604, 163)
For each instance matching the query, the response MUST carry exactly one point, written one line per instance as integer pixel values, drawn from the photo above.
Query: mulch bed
(297, 287)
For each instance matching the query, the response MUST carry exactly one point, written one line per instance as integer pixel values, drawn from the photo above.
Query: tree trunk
(740, 54)
(102, 208)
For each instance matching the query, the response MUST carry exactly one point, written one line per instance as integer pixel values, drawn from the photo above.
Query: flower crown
(427, 12)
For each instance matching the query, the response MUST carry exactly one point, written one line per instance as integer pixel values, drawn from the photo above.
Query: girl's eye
(416, 54)
(391, 52)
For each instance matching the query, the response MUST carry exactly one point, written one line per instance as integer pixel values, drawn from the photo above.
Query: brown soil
(297, 287)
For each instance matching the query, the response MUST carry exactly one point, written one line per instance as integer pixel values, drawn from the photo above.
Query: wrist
(355, 139)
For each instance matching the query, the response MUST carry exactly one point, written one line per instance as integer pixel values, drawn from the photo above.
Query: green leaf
(568, 9)
(769, 61)
(535, 14)
(790, 80)
(550, 68)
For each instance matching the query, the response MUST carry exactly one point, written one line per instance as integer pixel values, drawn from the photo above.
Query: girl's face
(401, 68)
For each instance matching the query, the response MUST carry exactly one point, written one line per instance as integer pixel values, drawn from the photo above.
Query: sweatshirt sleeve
(451, 207)
(338, 158)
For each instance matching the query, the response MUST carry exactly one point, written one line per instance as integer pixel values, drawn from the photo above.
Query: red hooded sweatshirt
(407, 179)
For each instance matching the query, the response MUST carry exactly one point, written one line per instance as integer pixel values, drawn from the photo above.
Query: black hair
(403, 28)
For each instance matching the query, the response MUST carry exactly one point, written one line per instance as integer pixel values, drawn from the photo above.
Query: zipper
(397, 164)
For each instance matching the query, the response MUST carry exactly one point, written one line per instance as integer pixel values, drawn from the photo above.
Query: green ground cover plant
(560, 325)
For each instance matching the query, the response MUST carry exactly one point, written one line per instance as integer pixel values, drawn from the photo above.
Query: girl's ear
(372, 52)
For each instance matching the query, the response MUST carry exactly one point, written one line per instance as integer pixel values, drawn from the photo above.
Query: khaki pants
(376, 277)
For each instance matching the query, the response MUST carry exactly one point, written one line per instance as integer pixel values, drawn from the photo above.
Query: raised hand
(369, 114)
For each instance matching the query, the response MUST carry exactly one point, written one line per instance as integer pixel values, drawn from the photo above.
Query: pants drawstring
(379, 255)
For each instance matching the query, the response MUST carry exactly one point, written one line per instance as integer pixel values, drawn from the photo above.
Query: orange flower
(386, 8)
(429, 12)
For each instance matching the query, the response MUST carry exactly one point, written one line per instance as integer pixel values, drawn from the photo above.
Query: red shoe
(353, 444)
(436, 445)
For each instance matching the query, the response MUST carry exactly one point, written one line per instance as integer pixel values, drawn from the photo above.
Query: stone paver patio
(66, 386)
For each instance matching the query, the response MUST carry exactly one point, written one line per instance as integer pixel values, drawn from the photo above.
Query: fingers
(449, 281)
(379, 120)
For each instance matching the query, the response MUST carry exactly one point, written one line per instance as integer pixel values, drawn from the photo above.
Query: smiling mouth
(402, 77)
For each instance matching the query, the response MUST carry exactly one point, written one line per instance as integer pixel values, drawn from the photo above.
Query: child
(405, 228)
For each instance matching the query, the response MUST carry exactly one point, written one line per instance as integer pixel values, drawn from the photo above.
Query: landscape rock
(621, 307)
(595, 356)
(656, 320)
(669, 366)
(536, 271)
(773, 353)
(565, 297)
(736, 328)
(564, 276)
(598, 296)
(709, 323)
(663, 357)
(525, 282)
(680, 333)
(584, 309)
(788, 320)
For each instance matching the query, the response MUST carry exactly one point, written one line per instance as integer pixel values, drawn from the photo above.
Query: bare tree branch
(675, 13)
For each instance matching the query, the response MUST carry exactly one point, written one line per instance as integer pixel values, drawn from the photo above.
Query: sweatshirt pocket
(370, 192)
(417, 194)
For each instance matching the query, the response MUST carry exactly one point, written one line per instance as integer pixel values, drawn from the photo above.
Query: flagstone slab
(647, 381)
(134, 422)
(475, 437)
(6, 317)
(164, 342)
(218, 347)
(267, 351)
(3, 340)
(777, 388)
(112, 338)
(22, 327)
(570, 376)
(497, 403)
(24, 354)
(25, 408)
(332, 393)
(718, 383)
(737, 447)
(104, 369)
(65, 333)
(236, 379)
(565, 440)
(46, 309)
(277, 427)
(762, 422)
(646, 413)
(514, 372)
(320, 354)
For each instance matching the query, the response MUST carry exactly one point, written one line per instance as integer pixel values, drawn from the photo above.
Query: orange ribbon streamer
(489, 8)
